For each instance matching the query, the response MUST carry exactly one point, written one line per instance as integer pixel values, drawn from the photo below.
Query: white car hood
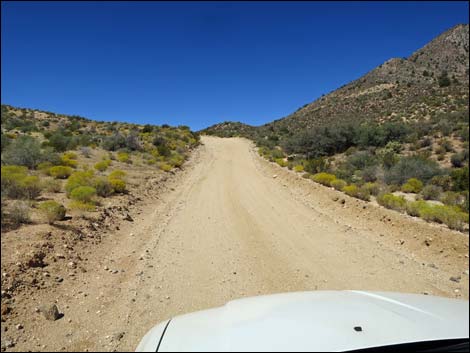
(313, 321)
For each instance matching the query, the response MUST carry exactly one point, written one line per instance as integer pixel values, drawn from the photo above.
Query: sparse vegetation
(52, 210)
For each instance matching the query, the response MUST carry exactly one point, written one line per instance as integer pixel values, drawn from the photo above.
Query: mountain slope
(433, 79)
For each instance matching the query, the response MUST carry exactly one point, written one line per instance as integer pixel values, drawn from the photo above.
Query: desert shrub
(83, 194)
(412, 167)
(317, 165)
(52, 185)
(25, 151)
(86, 151)
(103, 187)
(68, 159)
(372, 188)
(60, 172)
(415, 208)
(451, 198)
(458, 159)
(412, 185)
(357, 192)
(391, 201)
(338, 184)
(29, 187)
(361, 160)
(460, 179)
(446, 145)
(80, 178)
(443, 181)
(117, 174)
(102, 165)
(323, 178)
(176, 160)
(431, 192)
(123, 157)
(11, 175)
(82, 206)
(20, 212)
(165, 167)
(52, 210)
(298, 168)
(118, 185)
(281, 162)
(451, 216)
(44, 167)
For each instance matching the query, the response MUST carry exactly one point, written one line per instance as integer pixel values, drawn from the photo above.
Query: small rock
(59, 279)
(118, 336)
(455, 279)
(274, 176)
(72, 264)
(342, 201)
(106, 268)
(428, 241)
(432, 266)
(50, 312)
(426, 293)
(19, 327)
(5, 309)
(465, 272)
(128, 217)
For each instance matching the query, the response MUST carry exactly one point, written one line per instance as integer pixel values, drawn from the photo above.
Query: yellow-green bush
(324, 178)
(338, 184)
(80, 178)
(69, 159)
(166, 167)
(391, 201)
(372, 188)
(102, 165)
(83, 193)
(118, 185)
(412, 185)
(44, 167)
(299, 168)
(123, 157)
(60, 172)
(176, 160)
(453, 217)
(17, 184)
(416, 208)
(19, 212)
(52, 210)
(281, 162)
(117, 174)
(82, 206)
(357, 192)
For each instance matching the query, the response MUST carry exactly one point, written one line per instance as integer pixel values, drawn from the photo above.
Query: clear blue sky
(200, 63)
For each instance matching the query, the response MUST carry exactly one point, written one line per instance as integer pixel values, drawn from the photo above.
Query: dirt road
(229, 229)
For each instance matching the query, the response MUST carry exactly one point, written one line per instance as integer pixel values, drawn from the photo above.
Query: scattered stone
(106, 268)
(432, 266)
(37, 260)
(428, 241)
(117, 336)
(7, 344)
(19, 327)
(465, 272)
(114, 272)
(128, 217)
(274, 176)
(72, 264)
(59, 279)
(455, 279)
(50, 312)
(426, 293)
(335, 198)
(342, 201)
(5, 309)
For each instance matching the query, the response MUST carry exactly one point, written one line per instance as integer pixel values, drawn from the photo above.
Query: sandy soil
(233, 225)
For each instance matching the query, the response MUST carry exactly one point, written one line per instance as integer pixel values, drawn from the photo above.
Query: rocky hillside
(433, 80)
